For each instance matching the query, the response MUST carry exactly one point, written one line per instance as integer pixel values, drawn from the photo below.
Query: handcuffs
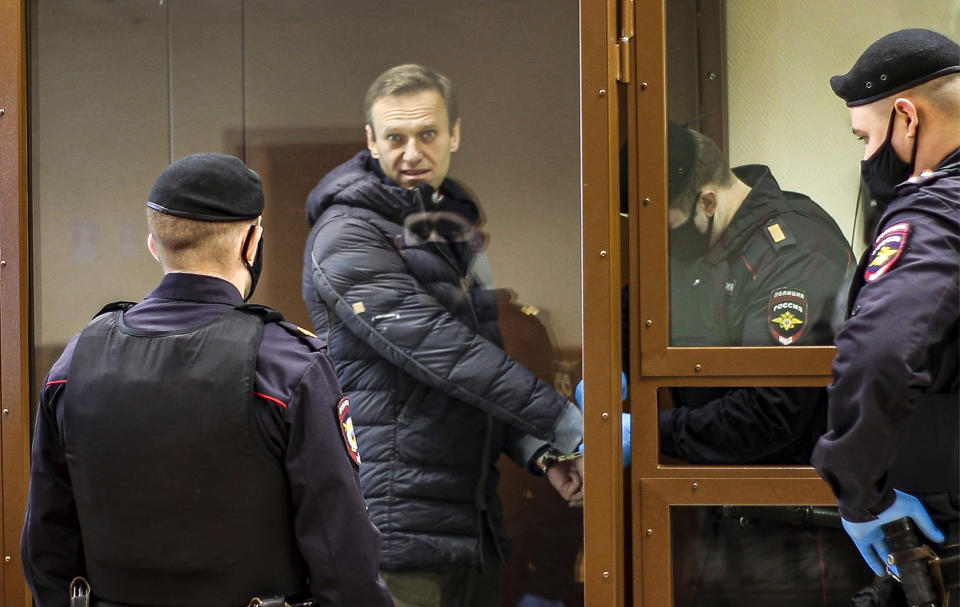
(551, 456)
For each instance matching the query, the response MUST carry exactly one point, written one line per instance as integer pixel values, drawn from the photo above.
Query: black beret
(895, 63)
(681, 158)
(208, 187)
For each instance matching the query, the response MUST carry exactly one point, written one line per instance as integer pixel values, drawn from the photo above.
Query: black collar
(197, 287)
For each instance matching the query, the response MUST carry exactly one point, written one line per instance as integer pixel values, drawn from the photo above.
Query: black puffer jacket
(434, 397)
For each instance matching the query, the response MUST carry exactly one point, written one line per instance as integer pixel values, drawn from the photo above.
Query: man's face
(870, 123)
(412, 138)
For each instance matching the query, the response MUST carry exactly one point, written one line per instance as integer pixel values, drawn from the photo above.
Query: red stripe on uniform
(56, 381)
(271, 399)
(749, 267)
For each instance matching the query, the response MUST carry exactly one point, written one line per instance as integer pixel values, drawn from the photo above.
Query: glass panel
(756, 556)
(740, 425)
(118, 91)
(99, 134)
(754, 264)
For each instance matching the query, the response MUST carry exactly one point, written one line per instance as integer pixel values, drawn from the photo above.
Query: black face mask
(687, 242)
(256, 268)
(883, 171)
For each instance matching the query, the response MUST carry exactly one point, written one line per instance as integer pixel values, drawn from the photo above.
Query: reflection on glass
(281, 85)
(750, 264)
(770, 263)
(757, 556)
(741, 425)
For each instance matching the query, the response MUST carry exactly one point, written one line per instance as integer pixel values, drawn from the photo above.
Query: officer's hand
(566, 479)
(625, 419)
(869, 538)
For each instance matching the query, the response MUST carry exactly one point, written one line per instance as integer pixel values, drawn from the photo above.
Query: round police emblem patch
(346, 429)
(787, 315)
(887, 250)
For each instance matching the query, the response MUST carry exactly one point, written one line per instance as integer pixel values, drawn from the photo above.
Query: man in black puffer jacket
(435, 399)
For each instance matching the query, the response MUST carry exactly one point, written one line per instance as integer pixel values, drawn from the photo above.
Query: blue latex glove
(869, 538)
(625, 423)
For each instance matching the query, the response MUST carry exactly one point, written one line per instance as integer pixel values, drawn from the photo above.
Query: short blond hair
(185, 243)
(942, 93)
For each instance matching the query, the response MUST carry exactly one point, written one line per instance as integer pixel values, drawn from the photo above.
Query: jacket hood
(359, 182)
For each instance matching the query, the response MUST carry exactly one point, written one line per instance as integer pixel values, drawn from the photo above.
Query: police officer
(752, 265)
(192, 450)
(891, 446)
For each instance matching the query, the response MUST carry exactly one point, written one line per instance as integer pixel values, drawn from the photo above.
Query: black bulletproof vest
(178, 501)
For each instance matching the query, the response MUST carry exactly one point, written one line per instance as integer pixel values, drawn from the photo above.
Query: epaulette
(266, 313)
(772, 234)
(304, 335)
(114, 306)
(925, 178)
(269, 315)
(778, 234)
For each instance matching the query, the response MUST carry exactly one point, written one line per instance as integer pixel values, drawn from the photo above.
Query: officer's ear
(251, 242)
(905, 106)
(707, 203)
(152, 247)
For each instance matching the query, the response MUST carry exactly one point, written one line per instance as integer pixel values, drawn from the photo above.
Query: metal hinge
(625, 40)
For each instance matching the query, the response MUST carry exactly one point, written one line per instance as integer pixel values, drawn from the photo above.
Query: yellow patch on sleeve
(359, 308)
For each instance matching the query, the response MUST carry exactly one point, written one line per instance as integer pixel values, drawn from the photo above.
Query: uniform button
(855, 310)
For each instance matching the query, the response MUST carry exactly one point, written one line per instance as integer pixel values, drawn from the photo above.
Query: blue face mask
(884, 170)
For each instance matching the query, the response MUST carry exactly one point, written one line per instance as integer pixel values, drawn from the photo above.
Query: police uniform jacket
(772, 278)
(414, 338)
(102, 475)
(893, 401)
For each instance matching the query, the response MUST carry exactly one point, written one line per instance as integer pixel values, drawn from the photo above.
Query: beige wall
(120, 89)
(780, 56)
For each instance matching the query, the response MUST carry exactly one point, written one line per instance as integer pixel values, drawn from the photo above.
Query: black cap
(681, 158)
(208, 187)
(895, 63)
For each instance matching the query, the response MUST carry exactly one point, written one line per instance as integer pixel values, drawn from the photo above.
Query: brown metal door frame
(656, 486)
(14, 297)
(604, 570)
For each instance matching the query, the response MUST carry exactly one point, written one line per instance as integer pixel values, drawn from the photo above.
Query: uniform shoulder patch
(787, 315)
(887, 250)
(304, 335)
(346, 430)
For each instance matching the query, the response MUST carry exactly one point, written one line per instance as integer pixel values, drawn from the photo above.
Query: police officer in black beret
(891, 449)
(192, 450)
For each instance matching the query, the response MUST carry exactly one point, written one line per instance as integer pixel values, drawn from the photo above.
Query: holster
(79, 592)
(920, 586)
(943, 571)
